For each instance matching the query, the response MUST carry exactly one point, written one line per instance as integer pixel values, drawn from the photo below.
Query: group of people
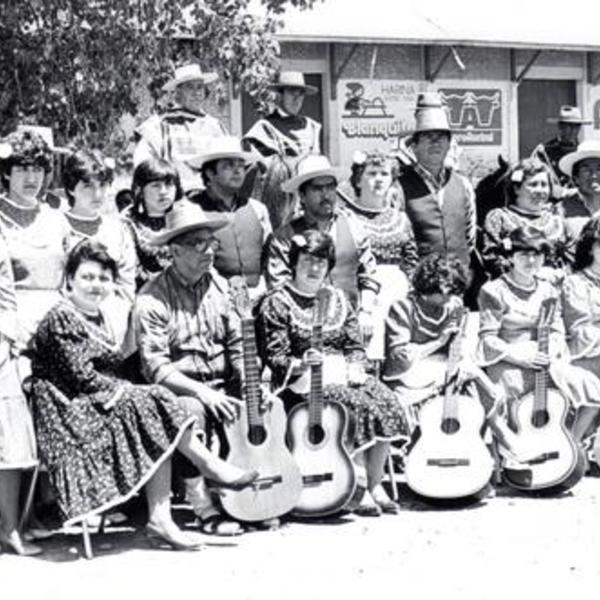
(121, 350)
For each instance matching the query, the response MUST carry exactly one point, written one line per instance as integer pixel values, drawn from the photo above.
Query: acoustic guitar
(449, 458)
(316, 434)
(542, 420)
(257, 438)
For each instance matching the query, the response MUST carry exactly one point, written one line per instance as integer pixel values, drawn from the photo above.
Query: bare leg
(376, 458)
(586, 417)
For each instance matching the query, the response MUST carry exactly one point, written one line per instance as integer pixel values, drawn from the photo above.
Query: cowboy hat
(226, 146)
(46, 134)
(569, 114)
(313, 165)
(186, 216)
(187, 73)
(587, 149)
(430, 113)
(292, 79)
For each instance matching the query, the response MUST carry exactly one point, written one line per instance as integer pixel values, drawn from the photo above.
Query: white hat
(313, 165)
(430, 113)
(587, 149)
(293, 79)
(225, 146)
(569, 114)
(186, 216)
(46, 134)
(189, 73)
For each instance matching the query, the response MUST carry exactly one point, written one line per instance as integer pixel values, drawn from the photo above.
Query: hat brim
(567, 162)
(292, 185)
(205, 78)
(555, 120)
(161, 239)
(196, 162)
(309, 90)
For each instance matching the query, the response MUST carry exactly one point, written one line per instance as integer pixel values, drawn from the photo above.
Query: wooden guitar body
(328, 474)
(558, 461)
(450, 459)
(278, 487)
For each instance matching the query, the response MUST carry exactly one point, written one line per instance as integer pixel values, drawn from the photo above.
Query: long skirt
(98, 458)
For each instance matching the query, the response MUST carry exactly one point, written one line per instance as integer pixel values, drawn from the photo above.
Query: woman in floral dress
(285, 320)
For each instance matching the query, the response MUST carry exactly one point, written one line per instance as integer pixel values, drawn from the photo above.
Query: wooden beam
(443, 60)
(527, 66)
(334, 75)
(426, 61)
(513, 64)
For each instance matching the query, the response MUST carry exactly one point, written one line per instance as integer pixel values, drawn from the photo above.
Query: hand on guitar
(356, 374)
(531, 359)
(312, 358)
(220, 405)
(365, 325)
(466, 370)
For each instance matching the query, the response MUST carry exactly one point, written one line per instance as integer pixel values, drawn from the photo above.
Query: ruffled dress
(284, 332)
(97, 457)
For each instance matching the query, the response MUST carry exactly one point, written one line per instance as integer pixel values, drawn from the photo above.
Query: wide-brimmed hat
(292, 79)
(430, 113)
(569, 114)
(186, 73)
(314, 165)
(226, 146)
(186, 216)
(46, 134)
(587, 149)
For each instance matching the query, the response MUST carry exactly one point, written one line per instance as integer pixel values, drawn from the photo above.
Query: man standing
(190, 337)
(316, 184)
(241, 242)
(182, 131)
(439, 202)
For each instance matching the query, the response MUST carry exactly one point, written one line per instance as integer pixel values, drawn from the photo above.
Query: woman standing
(285, 324)
(527, 189)
(370, 196)
(155, 189)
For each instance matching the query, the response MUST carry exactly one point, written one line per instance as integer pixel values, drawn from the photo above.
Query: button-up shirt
(190, 328)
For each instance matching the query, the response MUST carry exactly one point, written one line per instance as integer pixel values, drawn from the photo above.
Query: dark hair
(93, 251)
(524, 239)
(210, 165)
(85, 165)
(579, 164)
(522, 171)
(375, 158)
(590, 234)
(313, 242)
(148, 171)
(26, 148)
(437, 274)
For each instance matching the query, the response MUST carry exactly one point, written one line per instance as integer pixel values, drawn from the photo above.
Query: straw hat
(226, 146)
(186, 216)
(292, 79)
(430, 113)
(46, 134)
(314, 165)
(189, 73)
(569, 114)
(587, 149)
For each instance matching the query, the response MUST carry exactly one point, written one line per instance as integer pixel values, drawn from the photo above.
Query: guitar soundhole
(540, 418)
(257, 435)
(450, 426)
(316, 434)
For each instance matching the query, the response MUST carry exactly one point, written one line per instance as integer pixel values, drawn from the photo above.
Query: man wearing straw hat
(223, 168)
(189, 336)
(282, 137)
(182, 131)
(315, 183)
(439, 202)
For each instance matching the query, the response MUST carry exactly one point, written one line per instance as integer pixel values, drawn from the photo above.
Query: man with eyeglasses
(239, 253)
(316, 183)
(189, 336)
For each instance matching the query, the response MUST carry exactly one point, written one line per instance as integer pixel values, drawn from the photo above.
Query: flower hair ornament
(517, 176)
(359, 157)
(299, 240)
(5, 150)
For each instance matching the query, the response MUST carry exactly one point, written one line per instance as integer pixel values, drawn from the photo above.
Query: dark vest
(438, 229)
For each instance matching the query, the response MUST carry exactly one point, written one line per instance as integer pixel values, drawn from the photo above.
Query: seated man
(241, 242)
(316, 184)
(190, 337)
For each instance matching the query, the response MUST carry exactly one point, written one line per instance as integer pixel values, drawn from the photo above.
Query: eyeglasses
(202, 245)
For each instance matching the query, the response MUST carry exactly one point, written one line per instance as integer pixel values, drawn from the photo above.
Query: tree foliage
(79, 65)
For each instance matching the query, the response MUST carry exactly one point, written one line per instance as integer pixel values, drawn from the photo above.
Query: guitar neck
(454, 358)
(252, 391)
(315, 402)
(541, 375)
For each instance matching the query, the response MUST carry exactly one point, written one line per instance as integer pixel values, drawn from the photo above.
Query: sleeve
(492, 310)
(150, 140)
(63, 338)
(470, 216)
(277, 264)
(8, 303)
(126, 264)
(233, 328)
(493, 232)
(398, 333)
(151, 321)
(410, 254)
(367, 264)
(354, 350)
(584, 336)
(263, 218)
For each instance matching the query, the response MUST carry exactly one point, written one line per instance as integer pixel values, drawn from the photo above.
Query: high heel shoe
(16, 545)
(158, 537)
(243, 481)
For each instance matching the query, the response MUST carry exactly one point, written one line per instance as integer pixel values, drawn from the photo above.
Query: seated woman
(285, 325)
(527, 189)
(87, 176)
(155, 188)
(510, 309)
(370, 195)
(103, 438)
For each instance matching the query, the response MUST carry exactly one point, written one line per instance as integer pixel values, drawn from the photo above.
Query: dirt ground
(506, 547)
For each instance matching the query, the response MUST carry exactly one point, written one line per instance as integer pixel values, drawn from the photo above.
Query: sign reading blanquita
(376, 113)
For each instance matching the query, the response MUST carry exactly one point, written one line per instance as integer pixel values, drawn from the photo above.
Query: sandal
(219, 525)
(368, 510)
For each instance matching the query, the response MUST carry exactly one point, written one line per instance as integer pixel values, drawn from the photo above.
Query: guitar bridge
(542, 458)
(266, 483)
(311, 480)
(448, 462)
